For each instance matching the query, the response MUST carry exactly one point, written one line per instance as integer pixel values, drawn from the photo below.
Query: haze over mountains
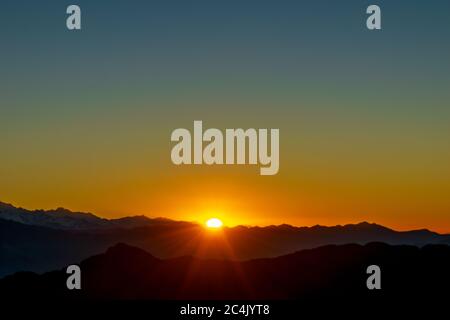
(41, 241)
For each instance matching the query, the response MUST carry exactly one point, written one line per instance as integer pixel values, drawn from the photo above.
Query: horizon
(225, 225)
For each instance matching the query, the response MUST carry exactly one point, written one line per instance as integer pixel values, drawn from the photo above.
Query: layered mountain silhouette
(41, 241)
(331, 272)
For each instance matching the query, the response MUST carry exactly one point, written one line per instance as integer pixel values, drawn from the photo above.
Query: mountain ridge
(59, 237)
(323, 274)
(62, 218)
(40, 249)
(39, 217)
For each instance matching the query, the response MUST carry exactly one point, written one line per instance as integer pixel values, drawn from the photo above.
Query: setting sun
(214, 223)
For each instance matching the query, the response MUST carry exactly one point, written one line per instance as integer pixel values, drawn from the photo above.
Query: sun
(214, 223)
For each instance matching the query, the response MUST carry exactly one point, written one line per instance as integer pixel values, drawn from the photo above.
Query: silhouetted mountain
(39, 249)
(331, 272)
(61, 218)
(25, 247)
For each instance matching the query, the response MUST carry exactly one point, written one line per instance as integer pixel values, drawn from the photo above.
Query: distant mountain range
(41, 241)
(323, 274)
(61, 218)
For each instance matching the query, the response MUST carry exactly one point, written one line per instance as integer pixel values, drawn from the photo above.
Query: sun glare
(214, 223)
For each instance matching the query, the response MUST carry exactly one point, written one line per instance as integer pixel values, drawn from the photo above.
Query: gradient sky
(364, 116)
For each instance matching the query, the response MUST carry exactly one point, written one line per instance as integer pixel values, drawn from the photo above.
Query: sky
(364, 116)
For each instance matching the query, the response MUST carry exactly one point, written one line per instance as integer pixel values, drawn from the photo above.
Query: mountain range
(62, 218)
(41, 241)
(323, 274)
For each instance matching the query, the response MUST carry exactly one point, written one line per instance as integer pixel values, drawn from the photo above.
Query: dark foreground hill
(332, 272)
